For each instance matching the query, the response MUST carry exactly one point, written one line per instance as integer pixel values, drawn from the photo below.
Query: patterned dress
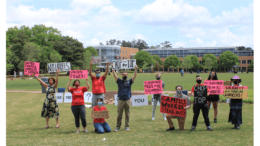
(50, 106)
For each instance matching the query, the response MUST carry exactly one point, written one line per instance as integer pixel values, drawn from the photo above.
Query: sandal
(47, 127)
(57, 127)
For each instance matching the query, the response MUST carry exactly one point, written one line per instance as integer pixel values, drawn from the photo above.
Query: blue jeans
(102, 127)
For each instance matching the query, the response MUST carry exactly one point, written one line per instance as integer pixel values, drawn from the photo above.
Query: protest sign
(227, 83)
(88, 97)
(216, 87)
(158, 102)
(235, 92)
(78, 74)
(98, 59)
(153, 87)
(124, 64)
(59, 97)
(31, 67)
(101, 114)
(67, 97)
(200, 94)
(173, 106)
(139, 100)
(116, 99)
(62, 66)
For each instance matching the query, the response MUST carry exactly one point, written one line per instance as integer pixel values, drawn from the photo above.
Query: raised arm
(57, 77)
(105, 75)
(90, 69)
(68, 85)
(114, 74)
(44, 84)
(87, 83)
(133, 78)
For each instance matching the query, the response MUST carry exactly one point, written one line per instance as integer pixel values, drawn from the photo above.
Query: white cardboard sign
(67, 97)
(88, 97)
(124, 64)
(116, 99)
(62, 66)
(139, 100)
(59, 97)
(158, 102)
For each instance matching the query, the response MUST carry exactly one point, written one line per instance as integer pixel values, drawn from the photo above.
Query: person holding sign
(213, 98)
(181, 120)
(235, 114)
(50, 106)
(98, 85)
(200, 92)
(100, 124)
(124, 95)
(157, 97)
(78, 105)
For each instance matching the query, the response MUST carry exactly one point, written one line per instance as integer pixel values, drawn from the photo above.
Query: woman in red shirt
(78, 104)
(100, 124)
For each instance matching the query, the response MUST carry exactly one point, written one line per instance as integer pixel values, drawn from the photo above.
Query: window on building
(126, 58)
(123, 57)
(126, 52)
(248, 61)
(243, 61)
(200, 61)
(123, 52)
(239, 61)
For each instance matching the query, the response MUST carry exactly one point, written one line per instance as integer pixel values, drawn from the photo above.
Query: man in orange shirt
(98, 85)
(200, 103)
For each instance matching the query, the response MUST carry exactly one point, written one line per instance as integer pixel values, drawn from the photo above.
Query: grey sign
(62, 66)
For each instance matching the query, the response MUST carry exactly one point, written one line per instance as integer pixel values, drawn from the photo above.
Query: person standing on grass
(78, 105)
(98, 85)
(21, 74)
(200, 103)
(182, 75)
(235, 114)
(124, 95)
(50, 107)
(100, 124)
(213, 98)
(14, 74)
(157, 97)
(181, 120)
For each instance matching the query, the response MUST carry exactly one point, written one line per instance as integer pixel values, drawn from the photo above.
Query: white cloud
(89, 3)
(140, 36)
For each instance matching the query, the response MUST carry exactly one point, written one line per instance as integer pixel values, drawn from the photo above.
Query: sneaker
(193, 128)
(235, 127)
(116, 129)
(127, 129)
(209, 129)
(215, 120)
(77, 131)
(152, 118)
(170, 129)
(164, 118)
(85, 130)
(238, 127)
(95, 130)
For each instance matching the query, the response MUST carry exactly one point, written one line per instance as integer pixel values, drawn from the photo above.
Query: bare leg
(57, 123)
(47, 123)
(209, 102)
(215, 106)
(168, 117)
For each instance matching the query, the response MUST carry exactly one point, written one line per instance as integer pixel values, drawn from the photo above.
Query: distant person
(200, 104)
(98, 85)
(235, 71)
(157, 97)
(182, 75)
(213, 98)
(21, 74)
(235, 114)
(50, 107)
(242, 70)
(14, 74)
(124, 95)
(181, 120)
(78, 105)
(247, 71)
(100, 124)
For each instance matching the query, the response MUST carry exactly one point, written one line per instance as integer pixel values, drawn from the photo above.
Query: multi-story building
(245, 56)
(112, 52)
(128, 53)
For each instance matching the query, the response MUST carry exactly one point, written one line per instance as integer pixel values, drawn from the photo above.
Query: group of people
(50, 107)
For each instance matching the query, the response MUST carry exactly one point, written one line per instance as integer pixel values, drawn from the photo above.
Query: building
(112, 52)
(245, 56)
(128, 53)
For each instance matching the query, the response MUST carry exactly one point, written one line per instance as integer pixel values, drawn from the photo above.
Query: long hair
(215, 77)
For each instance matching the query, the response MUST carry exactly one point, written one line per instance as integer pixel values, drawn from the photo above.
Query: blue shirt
(182, 71)
(124, 89)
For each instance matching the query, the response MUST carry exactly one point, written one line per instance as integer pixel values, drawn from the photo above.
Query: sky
(185, 23)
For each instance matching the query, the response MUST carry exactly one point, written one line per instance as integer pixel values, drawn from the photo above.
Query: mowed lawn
(170, 80)
(24, 126)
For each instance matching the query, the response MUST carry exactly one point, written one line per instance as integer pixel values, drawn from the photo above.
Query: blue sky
(185, 23)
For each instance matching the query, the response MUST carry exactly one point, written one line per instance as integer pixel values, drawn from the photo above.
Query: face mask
(179, 92)
(235, 82)
(98, 75)
(51, 82)
(124, 77)
(100, 103)
(76, 85)
(198, 81)
(158, 78)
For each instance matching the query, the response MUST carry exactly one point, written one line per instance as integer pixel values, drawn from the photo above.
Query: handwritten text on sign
(101, 114)
(173, 106)
(235, 92)
(215, 87)
(153, 87)
(200, 94)
(31, 67)
(78, 74)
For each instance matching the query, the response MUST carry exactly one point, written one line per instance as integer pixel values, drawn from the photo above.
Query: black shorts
(213, 98)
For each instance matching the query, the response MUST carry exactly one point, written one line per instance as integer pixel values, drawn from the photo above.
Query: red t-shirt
(99, 120)
(192, 90)
(78, 95)
(98, 85)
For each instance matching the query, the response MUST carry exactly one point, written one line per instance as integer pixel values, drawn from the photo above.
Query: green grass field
(24, 126)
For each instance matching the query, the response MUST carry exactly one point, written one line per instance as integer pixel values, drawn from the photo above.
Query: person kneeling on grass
(100, 124)
(181, 120)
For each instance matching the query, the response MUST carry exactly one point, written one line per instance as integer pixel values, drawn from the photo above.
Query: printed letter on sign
(173, 106)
